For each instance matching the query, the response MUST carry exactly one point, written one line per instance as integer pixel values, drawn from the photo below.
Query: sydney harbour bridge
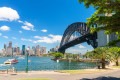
(77, 33)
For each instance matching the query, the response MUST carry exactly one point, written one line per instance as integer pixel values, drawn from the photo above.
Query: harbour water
(43, 63)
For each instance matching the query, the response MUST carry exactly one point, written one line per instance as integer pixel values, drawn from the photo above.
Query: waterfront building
(54, 49)
(5, 46)
(34, 50)
(44, 50)
(38, 52)
(9, 49)
(18, 48)
(41, 50)
(38, 47)
(23, 50)
(10, 44)
(3, 52)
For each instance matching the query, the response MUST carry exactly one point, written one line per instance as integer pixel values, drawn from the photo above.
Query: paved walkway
(115, 75)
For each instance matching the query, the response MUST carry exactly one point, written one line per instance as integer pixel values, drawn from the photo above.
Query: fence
(47, 68)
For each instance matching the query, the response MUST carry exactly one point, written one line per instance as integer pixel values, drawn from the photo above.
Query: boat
(11, 61)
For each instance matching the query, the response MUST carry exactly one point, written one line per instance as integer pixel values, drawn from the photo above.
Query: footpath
(110, 75)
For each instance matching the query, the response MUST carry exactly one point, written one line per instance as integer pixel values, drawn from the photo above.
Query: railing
(47, 68)
(50, 68)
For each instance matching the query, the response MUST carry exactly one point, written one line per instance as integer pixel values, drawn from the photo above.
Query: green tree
(100, 53)
(67, 55)
(111, 22)
(116, 54)
(89, 54)
(75, 56)
(52, 54)
(58, 55)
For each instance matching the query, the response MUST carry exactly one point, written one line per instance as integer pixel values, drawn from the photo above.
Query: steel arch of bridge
(82, 28)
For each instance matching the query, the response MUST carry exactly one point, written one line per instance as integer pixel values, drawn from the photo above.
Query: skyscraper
(5, 46)
(10, 44)
(34, 50)
(23, 49)
(9, 49)
(18, 48)
(44, 50)
(38, 50)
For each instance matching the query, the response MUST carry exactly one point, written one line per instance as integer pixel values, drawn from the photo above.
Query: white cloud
(8, 14)
(50, 39)
(27, 26)
(81, 46)
(20, 31)
(5, 36)
(23, 39)
(14, 38)
(20, 21)
(4, 28)
(0, 34)
(44, 30)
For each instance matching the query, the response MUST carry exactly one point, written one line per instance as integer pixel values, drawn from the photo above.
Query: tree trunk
(103, 63)
(117, 64)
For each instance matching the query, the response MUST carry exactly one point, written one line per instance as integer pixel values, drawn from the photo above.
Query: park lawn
(116, 66)
(82, 71)
(34, 79)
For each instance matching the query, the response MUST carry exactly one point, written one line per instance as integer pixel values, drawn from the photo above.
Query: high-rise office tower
(10, 44)
(34, 50)
(44, 50)
(18, 48)
(38, 47)
(5, 46)
(41, 50)
(9, 49)
(23, 49)
(38, 50)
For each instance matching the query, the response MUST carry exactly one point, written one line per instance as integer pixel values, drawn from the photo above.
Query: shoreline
(78, 60)
(80, 71)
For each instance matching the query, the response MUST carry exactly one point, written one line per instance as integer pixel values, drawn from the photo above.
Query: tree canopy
(107, 16)
(100, 53)
(115, 54)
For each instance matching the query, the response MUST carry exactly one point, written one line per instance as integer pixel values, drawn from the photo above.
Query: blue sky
(42, 22)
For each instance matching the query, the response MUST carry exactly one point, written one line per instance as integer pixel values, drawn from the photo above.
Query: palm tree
(116, 54)
(100, 53)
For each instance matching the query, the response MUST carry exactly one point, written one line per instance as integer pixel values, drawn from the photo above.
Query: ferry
(11, 61)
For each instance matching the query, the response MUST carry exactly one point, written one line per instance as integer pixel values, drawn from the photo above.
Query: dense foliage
(105, 53)
(101, 54)
(107, 16)
(58, 55)
(115, 54)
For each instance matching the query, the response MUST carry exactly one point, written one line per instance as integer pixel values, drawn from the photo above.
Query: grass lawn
(82, 71)
(33, 79)
(116, 66)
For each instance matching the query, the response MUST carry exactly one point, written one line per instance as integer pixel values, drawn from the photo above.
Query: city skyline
(10, 50)
(38, 25)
